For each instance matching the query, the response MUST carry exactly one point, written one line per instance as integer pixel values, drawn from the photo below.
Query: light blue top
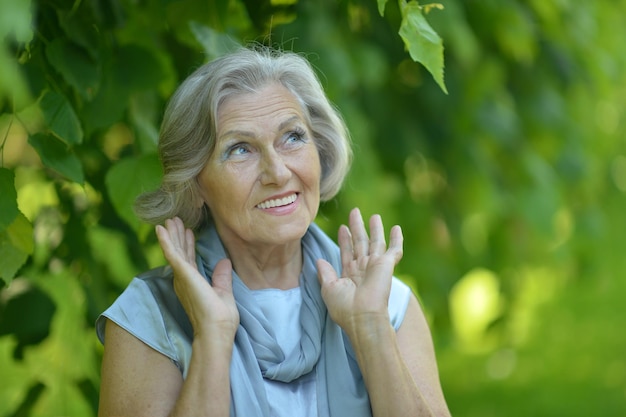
(150, 310)
(139, 311)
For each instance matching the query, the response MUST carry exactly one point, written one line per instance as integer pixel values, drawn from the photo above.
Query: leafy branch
(422, 42)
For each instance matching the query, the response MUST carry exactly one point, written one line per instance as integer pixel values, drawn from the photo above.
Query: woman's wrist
(216, 339)
(368, 329)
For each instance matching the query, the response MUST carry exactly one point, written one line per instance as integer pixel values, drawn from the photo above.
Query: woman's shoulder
(152, 289)
(149, 310)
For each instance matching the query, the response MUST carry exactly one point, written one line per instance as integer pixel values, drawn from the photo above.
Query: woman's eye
(295, 136)
(238, 149)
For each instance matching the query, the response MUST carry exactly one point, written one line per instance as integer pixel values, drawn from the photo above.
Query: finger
(396, 241)
(172, 232)
(223, 276)
(377, 245)
(360, 241)
(179, 229)
(170, 251)
(164, 239)
(345, 246)
(190, 246)
(325, 272)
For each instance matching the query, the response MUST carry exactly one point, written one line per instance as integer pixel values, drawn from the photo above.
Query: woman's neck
(267, 267)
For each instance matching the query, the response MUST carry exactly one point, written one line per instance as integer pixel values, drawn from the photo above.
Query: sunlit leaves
(28, 329)
(215, 44)
(62, 363)
(515, 32)
(538, 201)
(381, 6)
(475, 303)
(513, 170)
(20, 234)
(16, 233)
(8, 202)
(424, 44)
(11, 395)
(15, 23)
(109, 244)
(129, 178)
(16, 244)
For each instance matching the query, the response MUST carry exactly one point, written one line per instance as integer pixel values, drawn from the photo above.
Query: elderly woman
(259, 313)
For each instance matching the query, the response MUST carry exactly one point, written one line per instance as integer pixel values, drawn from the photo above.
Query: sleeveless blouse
(149, 310)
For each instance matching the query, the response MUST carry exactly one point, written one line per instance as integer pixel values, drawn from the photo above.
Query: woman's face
(262, 180)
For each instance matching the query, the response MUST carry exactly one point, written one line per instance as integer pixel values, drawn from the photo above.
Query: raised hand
(211, 309)
(362, 293)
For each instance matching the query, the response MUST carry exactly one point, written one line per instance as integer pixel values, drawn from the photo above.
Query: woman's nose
(274, 169)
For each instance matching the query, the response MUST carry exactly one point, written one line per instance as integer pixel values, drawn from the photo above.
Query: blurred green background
(510, 188)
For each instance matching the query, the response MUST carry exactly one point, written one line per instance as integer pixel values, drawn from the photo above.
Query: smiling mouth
(278, 202)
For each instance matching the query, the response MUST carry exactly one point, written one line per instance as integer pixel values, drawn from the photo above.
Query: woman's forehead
(272, 106)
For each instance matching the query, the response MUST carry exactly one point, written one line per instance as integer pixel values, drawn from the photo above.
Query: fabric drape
(323, 346)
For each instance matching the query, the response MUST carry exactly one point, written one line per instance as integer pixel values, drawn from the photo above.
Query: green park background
(506, 169)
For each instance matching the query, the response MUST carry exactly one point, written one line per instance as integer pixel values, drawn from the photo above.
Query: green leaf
(131, 69)
(8, 202)
(57, 156)
(129, 178)
(31, 328)
(11, 258)
(20, 234)
(424, 44)
(215, 44)
(381, 6)
(16, 27)
(78, 25)
(16, 244)
(111, 249)
(16, 20)
(136, 68)
(61, 118)
(67, 354)
(13, 84)
(75, 65)
(143, 110)
(107, 107)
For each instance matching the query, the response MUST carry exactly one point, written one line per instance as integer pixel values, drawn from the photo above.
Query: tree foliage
(509, 188)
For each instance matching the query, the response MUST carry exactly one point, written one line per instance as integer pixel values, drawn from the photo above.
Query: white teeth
(278, 202)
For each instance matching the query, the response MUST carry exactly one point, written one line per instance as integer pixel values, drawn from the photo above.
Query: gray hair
(188, 131)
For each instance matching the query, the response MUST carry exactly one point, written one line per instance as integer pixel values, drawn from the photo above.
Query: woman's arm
(138, 381)
(399, 370)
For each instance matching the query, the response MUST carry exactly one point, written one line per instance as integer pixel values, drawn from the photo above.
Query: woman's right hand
(211, 309)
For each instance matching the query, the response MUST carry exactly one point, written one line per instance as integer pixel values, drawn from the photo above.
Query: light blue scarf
(323, 347)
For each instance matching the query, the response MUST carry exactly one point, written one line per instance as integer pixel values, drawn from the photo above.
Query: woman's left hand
(361, 295)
